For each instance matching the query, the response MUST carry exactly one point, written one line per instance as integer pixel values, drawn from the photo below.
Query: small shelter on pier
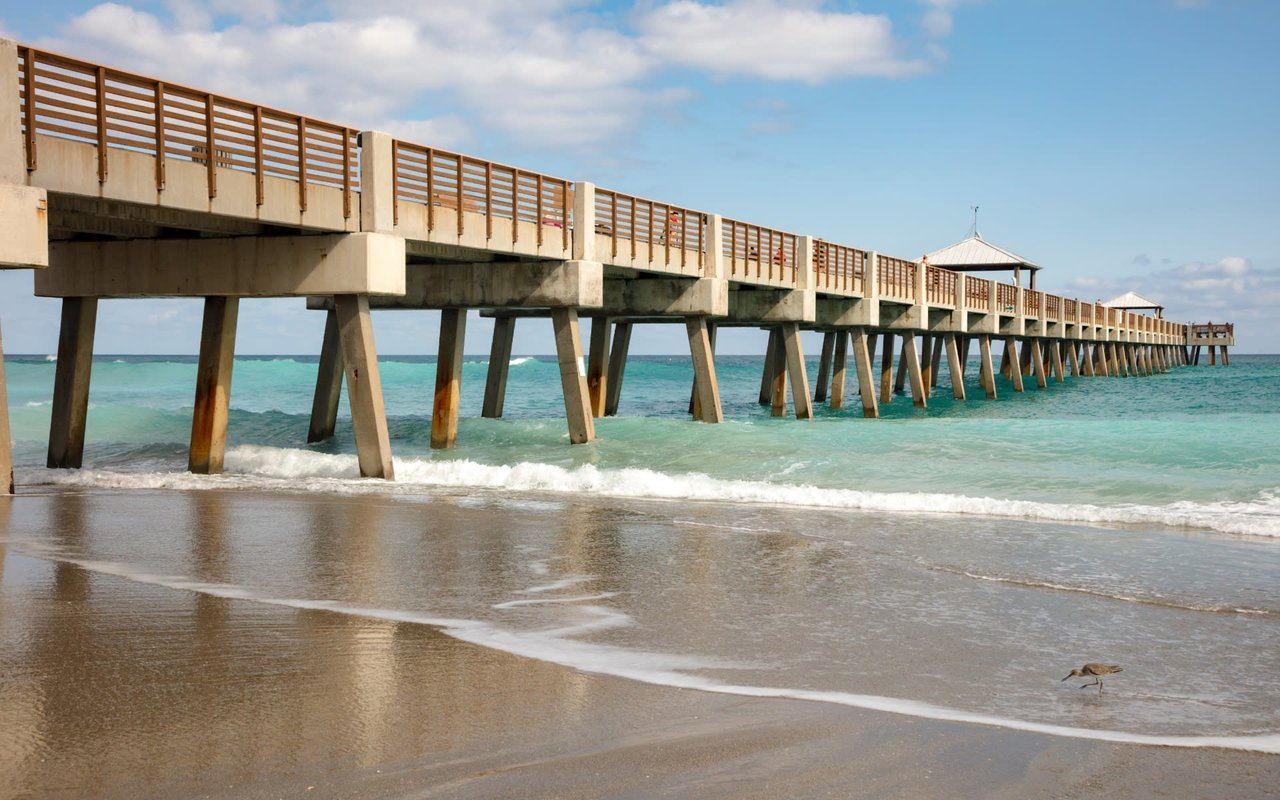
(976, 254)
(1132, 301)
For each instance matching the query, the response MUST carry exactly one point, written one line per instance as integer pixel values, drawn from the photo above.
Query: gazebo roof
(1130, 301)
(975, 254)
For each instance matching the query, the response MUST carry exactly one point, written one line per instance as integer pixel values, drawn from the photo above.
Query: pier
(117, 185)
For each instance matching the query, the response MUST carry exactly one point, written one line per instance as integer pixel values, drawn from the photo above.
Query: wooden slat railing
(1031, 303)
(1006, 298)
(1069, 308)
(1052, 307)
(472, 186)
(940, 286)
(760, 253)
(113, 109)
(679, 234)
(977, 293)
(839, 268)
(896, 278)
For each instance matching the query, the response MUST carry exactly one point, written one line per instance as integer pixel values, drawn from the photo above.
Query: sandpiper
(1096, 671)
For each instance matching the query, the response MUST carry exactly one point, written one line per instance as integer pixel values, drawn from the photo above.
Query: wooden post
(824, 366)
(6, 436)
(617, 366)
(364, 386)
(573, 379)
(1015, 371)
(796, 370)
(448, 395)
(1055, 355)
(767, 377)
(71, 383)
(953, 366)
(919, 389)
(886, 369)
(213, 385)
(986, 371)
(840, 366)
(705, 385)
(598, 364)
(495, 385)
(324, 406)
(1037, 363)
(862, 356)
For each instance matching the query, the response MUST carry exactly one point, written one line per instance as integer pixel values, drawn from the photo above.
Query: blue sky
(1122, 145)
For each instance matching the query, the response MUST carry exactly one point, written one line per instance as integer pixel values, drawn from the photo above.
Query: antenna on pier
(973, 231)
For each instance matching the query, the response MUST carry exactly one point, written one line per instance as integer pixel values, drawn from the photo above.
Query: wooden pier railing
(896, 278)
(759, 253)
(839, 268)
(673, 235)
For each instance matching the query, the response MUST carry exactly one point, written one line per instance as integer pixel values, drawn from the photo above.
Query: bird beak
(1064, 679)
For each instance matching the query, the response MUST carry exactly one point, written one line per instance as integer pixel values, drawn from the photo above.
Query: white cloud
(776, 40)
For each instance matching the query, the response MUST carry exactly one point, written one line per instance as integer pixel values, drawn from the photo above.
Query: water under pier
(117, 185)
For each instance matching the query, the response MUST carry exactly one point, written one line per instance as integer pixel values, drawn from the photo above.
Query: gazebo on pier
(1132, 301)
(976, 254)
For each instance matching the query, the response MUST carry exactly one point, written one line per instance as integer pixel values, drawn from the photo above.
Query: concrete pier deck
(117, 185)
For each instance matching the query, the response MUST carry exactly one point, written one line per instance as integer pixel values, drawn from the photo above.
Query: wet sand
(111, 687)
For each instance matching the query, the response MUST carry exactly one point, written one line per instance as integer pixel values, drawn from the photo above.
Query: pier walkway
(117, 185)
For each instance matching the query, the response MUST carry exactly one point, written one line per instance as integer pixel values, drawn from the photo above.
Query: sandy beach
(116, 684)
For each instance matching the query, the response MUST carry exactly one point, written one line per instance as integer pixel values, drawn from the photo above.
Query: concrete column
(13, 162)
(573, 380)
(617, 367)
(1100, 357)
(377, 182)
(1086, 361)
(770, 361)
(1117, 364)
(1006, 371)
(324, 405)
(778, 378)
(713, 260)
(926, 355)
(1015, 371)
(364, 386)
(900, 380)
(824, 366)
(872, 341)
(953, 365)
(964, 354)
(1055, 354)
(6, 435)
(448, 396)
(213, 385)
(71, 383)
(862, 363)
(935, 362)
(1037, 364)
(705, 385)
(886, 369)
(495, 385)
(796, 369)
(598, 364)
(919, 389)
(840, 365)
(986, 370)
(1025, 361)
(584, 221)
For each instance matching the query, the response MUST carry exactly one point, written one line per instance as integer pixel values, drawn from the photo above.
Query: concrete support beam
(213, 385)
(824, 366)
(495, 387)
(886, 370)
(919, 389)
(862, 354)
(705, 386)
(953, 366)
(655, 297)
(935, 362)
(246, 266)
(6, 435)
(598, 364)
(324, 406)
(986, 370)
(1055, 355)
(71, 383)
(796, 369)
(448, 394)
(926, 357)
(617, 366)
(840, 366)
(1037, 364)
(770, 361)
(766, 306)
(502, 284)
(778, 378)
(1015, 371)
(364, 386)
(573, 379)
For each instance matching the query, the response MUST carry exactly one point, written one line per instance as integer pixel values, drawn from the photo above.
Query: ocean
(951, 563)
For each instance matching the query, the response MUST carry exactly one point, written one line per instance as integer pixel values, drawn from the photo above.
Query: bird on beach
(1096, 671)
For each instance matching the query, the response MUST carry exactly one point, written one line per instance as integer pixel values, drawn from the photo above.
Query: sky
(1120, 144)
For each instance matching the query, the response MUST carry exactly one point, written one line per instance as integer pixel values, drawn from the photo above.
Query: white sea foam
(280, 468)
(515, 362)
(51, 358)
(661, 669)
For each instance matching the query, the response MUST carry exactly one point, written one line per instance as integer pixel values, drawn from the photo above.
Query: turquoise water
(1194, 447)
(951, 563)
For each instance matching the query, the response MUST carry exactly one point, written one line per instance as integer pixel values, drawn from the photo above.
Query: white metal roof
(977, 254)
(1131, 300)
